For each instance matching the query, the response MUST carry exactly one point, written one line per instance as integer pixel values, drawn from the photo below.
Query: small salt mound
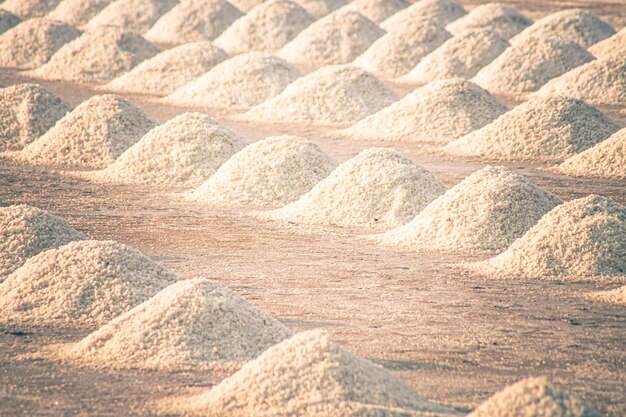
(378, 187)
(184, 151)
(377, 10)
(27, 111)
(8, 20)
(26, 231)
(193, 20)
(616, 296)
(505, 21)
(77, 12)
(240, 82)
(610, 46)
(93, 135)
(335, 39)
(332, 94)
(320, 8)
(134, 15)
(542, 129)
(169, 70)
(268, 173)
(437, 112)
(27, 9)
(97, 56)
(33, 42)
(536, 397)
(484, 213)
(438, 12)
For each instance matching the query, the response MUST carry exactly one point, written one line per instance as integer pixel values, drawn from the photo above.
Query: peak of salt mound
(332, 94)
(616, 296)
(239, 82)
(8, 20)
(268, 173)
(438, 12)
(379, 187)
(542, 129)
(377, 10)
(437, 112)
(93, 135)
(77, 12)
(134, 15)
(505, 21)
(26, 231)
(192, 21)
(334, 39)
(27, 9)
(320, 8)
(27, 111)
(484, 213)
(610, 46)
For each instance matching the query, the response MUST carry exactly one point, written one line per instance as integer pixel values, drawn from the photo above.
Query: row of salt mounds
(616, 296)
(320, 8)
(377, 10)
(437, 112)
(332, 94)
(581, 238)
(26, 231)
(27, 111)
(505, 21)
(8, 20)
(33, 42)
(94, 135)
(79, 285)
(438, 12)
(614, 45)
(308, 375)
(379, 187)
(335, 39)
(542, 129)
(169, 70)
(186, 150)
(267, 27)
(97, 56)
(192, 324)
(135, 15)
(484, 213)
(268, 173)
(77, 12)
(27, 9)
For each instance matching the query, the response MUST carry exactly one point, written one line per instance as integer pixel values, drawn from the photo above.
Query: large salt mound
(379, 187)
(505, 21)
(135, 15)
(610, 46)
(334, 39)
(484, 213)
(27, 111)
(8, 20)
(26, 231)
(320, 8)
(77, 12)
(438, 12)
(377, 10)
(27, 9)
(240, 82)
(169, 70)
(437, 112)
(268, 173)
(542, 129)
(616, 296)
(93, 135)
(332, 94)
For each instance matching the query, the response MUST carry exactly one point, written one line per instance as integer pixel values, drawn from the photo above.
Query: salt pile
(335, 39)
(240, 82)
(438, 12)
(542, 129)
(616, 296)
(438, 112)
(268, 173)
(610, 46)
(246, 5)
(27, 111)
(484, 213)
(379, 187)
(8, 20)
(320, 8)
(505, 21)
(97, 56)
(93, 135)
(26, 231)
(134, 15)
(77, 12)
(27, 9)
(332, 94)
(169, 70)
(377, 10)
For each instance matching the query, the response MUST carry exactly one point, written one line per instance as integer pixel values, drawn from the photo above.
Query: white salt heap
(267, 27)
(484, 213)
(377, 10)
(8, 20)
(503, 20)
(332, 94)
(169, 70)
(616, 296)
(239, 82)
(77, 12)
(27, 111)
(615, 44)
(134, 15)
(438, 12)
(542, 129)
(93, 135)
(269, 173)
(27, 9)
(438, 112)
(26, 231)
(320, 8)
(379, 187)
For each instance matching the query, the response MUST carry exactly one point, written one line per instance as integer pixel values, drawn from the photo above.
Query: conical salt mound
(536, 397)
(27, 9)
(77, 12)
(377, 10)
(616, 296)
(169, 70)
(134, 15)
(541, 129)
(379, 187)
(8, 20)
(610, 46)
(27, 111)
(268, 173)
(97, 56)
(186, 150)
(438, 12)
(320, 8)
(26, 231)
(438, 112)
(82, 284)
(505, 21)
(335, 39)
(484, 213)
(332, 94)
(93, 135)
